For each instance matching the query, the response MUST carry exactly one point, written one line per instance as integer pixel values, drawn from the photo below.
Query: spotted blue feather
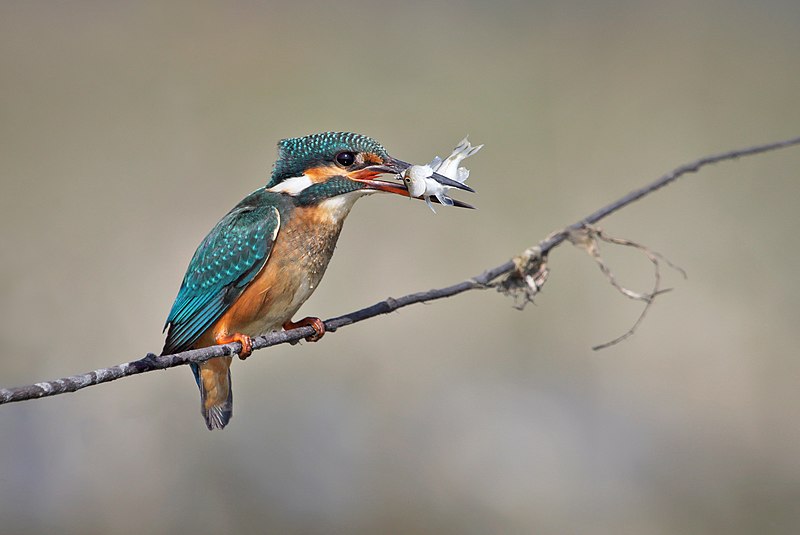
(224, 264)
(296, 154)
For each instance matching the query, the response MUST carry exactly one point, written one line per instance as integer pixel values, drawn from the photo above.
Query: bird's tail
(216, 394)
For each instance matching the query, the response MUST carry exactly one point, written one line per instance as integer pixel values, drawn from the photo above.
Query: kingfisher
(265, 257)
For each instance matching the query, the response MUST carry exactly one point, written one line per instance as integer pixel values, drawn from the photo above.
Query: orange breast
(295, 266)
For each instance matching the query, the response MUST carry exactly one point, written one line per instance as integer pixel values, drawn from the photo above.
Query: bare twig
(534, 267)
(587, 239)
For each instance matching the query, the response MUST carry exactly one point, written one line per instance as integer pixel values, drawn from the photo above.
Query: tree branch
(484, 280)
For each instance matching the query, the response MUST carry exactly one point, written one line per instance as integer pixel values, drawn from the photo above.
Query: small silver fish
(418, 181)
(449, 167)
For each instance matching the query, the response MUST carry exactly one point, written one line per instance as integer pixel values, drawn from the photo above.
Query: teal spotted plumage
(325, 190)
(260, 263)
(296, 154)
(224, 263)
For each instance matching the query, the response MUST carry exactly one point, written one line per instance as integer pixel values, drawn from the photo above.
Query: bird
(267, 255)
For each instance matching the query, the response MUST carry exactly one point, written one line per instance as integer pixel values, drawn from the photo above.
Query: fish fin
(444, 199)
(428, 202)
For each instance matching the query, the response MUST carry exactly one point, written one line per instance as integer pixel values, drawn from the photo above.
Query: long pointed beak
(382, 185)
(398, 188)
(396, 166)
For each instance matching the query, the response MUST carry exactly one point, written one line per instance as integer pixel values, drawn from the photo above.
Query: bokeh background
(127, 129)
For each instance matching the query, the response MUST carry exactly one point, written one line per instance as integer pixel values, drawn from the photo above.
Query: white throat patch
(337, 208)
(293, 185)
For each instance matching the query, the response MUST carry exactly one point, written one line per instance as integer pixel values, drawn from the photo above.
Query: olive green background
(127, 129)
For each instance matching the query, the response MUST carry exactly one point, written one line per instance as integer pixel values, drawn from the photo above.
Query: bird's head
(329, 165)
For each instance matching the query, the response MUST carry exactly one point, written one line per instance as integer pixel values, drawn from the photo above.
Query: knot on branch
(526, 279)
(523, 279)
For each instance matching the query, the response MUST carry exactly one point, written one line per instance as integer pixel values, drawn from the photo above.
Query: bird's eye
(345, 159)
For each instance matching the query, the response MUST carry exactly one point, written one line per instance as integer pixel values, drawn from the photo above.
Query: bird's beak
(394, 166)
(368, 175)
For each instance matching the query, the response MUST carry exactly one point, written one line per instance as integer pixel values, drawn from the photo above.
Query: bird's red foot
(246, 341)
(316, 323)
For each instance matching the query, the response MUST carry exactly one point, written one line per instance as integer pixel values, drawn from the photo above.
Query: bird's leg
(246, 341)
(316, 323)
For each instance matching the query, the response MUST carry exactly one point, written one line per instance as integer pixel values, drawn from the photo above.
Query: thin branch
(484, 280)
(587, 240)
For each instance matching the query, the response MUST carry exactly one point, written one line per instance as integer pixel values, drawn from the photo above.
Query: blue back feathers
(238, 246)
(224, 263)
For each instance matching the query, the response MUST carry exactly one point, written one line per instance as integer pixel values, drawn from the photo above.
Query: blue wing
(221, 268)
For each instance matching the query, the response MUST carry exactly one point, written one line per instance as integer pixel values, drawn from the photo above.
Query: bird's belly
(293, 271)
(278, 308)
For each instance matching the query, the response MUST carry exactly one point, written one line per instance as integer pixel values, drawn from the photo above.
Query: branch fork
(522, 278)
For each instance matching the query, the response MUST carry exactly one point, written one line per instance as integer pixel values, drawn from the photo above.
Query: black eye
(345, 159)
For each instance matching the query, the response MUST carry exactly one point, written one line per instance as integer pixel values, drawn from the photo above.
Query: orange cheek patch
(323, 173)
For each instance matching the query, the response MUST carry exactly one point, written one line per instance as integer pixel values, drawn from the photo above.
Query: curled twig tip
(521, 278)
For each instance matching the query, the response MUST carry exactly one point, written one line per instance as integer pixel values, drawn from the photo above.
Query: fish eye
(346, 158)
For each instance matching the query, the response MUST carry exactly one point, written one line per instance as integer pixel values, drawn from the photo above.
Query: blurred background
(127, 129)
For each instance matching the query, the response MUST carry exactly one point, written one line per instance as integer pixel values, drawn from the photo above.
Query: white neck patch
(337, 208)
(293, 185)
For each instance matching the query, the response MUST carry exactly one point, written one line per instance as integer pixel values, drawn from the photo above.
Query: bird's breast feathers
(299, 257)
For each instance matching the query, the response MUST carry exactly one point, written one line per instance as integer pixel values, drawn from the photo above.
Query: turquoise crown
(296, 154)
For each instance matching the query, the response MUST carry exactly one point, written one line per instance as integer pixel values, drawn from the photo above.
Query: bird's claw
(246, 341)
(315, 323)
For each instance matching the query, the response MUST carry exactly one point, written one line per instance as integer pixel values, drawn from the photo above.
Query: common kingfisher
(262, 260)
